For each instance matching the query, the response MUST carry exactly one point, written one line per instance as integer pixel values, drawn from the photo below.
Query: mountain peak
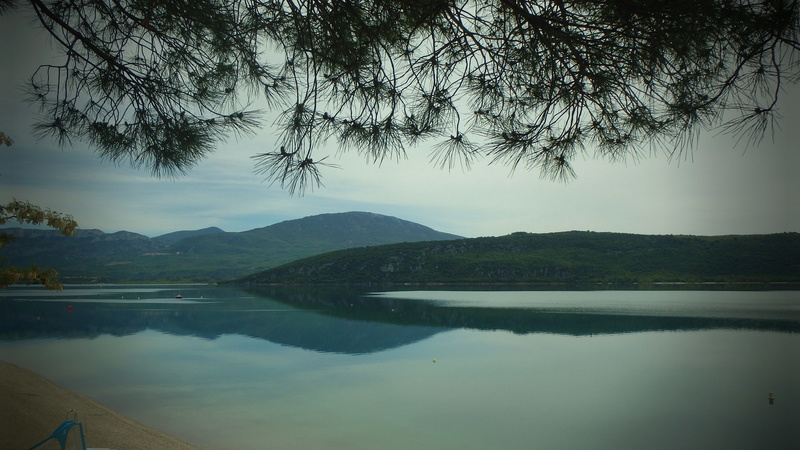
(208, 254)
(355, 228)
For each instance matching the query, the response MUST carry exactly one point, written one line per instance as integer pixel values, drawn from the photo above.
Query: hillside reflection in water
(357, 320)
(340, 367)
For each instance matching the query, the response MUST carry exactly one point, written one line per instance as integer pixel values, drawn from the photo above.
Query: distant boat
(179, 296)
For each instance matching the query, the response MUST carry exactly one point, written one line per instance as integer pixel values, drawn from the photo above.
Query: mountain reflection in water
(336, 319)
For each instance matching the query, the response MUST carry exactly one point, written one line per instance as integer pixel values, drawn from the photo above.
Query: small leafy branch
(24, 212)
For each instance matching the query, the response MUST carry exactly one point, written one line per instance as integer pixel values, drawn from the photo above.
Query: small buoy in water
(69, 308)
(434, 360)
(771, 398)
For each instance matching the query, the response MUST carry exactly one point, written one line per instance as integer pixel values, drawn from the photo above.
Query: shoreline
(33, 407)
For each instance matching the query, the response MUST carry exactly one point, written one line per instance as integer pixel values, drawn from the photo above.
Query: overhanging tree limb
(530, 84)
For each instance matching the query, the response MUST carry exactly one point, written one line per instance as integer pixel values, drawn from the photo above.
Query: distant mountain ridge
(360, 247)
(204, 255)
(175, 236)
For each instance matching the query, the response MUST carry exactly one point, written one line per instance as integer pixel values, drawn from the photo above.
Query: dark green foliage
(530, 84)
(156, 84)
(570, 257)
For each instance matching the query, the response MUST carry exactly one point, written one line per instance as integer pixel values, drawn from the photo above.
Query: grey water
(365, 368)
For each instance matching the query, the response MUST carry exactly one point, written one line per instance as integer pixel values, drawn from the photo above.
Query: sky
(720, 188)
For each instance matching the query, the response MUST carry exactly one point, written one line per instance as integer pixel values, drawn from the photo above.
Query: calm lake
(347, 368)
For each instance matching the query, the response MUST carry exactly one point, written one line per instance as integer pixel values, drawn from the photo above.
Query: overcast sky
(721, 188)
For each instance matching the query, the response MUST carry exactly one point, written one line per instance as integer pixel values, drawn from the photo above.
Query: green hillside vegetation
(568, 257)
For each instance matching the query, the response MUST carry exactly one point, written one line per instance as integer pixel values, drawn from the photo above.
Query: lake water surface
(319, 368)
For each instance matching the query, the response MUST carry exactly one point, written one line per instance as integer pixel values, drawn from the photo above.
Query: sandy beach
(32, 407)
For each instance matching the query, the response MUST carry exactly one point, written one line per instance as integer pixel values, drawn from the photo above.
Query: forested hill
(568, 257)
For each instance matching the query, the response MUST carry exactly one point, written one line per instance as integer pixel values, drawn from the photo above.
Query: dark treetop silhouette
(529, 84)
